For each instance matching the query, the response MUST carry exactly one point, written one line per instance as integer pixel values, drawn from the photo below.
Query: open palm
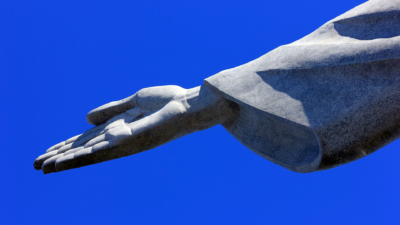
(141, 122)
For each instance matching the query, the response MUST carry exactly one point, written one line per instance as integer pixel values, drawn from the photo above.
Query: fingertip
(99, 115)
(89, 118)
(48, 166)
(39, 161)
(36, 165)
(105, 112)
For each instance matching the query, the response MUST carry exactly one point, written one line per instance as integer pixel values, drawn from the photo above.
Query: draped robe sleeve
(327, 99)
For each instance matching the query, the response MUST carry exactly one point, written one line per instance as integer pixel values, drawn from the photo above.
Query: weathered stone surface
(324, 100)
(340, 83)
(151, 117)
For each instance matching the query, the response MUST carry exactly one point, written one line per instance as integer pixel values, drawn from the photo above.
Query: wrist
(205, 108)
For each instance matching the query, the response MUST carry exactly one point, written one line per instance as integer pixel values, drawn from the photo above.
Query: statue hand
(147, 119)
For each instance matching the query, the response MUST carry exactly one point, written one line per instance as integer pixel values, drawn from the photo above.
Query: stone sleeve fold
(327, 99)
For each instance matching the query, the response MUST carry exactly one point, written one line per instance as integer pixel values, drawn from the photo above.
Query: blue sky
(60, 59)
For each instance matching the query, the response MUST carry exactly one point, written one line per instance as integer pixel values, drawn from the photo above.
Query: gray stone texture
(327, 99)
(150, 118)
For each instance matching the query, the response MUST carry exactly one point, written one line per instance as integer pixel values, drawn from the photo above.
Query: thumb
(105, 112)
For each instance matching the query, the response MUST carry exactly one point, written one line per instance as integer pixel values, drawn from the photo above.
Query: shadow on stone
(369, 27)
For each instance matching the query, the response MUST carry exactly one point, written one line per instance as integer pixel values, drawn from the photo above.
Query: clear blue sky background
(60, 59)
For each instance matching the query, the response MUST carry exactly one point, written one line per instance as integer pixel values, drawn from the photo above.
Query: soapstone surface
(340, 83)
(327, 99)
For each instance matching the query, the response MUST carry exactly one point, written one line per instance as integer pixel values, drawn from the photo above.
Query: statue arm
(151, 117)
(317, 92)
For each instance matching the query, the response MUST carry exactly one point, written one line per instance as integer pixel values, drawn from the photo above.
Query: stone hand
(145, 120)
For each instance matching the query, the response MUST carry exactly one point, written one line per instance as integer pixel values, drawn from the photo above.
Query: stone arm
(327, 99)
(150, 118)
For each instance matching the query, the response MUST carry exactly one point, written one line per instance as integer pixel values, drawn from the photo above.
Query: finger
(57, 146)
(134, 114)
(49, 165)
(88, 135)
(100, 152)
(72, 139)
(73, 150)
(105, 112)
(93, 134)
(156, 119)
(124, 118)
(101, 146)
(64, 148)
(129, 116)
(96, 140)
(115, 122)
(78, 159)
(70, 144)
(39, 161)
(72, 158)
(60, 145)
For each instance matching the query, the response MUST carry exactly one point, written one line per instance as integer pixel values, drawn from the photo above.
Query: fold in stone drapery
(327, 99)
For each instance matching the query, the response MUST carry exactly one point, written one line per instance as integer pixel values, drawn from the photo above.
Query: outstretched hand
(145, 120)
